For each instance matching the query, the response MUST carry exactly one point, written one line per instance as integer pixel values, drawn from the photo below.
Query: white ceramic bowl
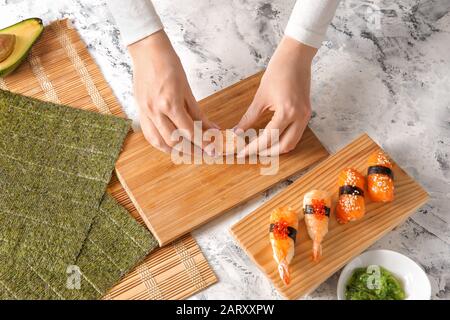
(414, 280)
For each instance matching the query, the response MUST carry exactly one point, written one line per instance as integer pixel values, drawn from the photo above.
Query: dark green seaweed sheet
(55, 164)
(65, 151)
(115, 243)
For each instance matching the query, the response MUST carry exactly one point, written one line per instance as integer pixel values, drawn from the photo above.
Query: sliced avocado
(25, 34)
(7, 42)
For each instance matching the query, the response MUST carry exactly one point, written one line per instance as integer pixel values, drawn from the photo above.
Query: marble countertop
(384, 70)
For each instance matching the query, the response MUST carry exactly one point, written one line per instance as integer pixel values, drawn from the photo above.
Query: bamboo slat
(61, 70)
(343, 242)
(175, 199)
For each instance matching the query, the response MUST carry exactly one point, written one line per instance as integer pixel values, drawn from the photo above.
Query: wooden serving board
(175, 199)
(61, 70)
(343, 242)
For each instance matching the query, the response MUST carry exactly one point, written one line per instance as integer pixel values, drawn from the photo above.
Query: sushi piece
(317, 206)
(225, 142)
(351, 205)
(380, 178)
(283, 233)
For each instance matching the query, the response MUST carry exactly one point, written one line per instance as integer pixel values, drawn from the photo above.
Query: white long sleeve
(136, 19)
(308, 22)
(310, 19)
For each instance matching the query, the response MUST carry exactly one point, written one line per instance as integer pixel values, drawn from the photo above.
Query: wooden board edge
(138, 208)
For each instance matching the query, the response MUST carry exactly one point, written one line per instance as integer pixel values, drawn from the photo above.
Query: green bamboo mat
(55, 163)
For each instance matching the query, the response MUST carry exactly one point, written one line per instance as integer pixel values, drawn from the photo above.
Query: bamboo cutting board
(343, 242)
(61, 70)
(175, 199)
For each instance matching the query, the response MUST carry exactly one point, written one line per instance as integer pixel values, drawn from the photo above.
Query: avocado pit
(7, 43)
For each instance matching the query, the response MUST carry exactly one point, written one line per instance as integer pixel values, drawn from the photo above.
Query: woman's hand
(162, 92)
(284, 89)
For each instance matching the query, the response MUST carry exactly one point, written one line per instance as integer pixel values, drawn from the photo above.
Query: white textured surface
(392, 82)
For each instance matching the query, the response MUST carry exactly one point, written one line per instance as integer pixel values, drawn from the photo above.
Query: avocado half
(25, 34)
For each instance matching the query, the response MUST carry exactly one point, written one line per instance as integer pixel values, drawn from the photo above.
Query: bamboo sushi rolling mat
(60, 69)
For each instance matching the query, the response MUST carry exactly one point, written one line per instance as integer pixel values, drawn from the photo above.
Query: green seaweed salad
(373, 283)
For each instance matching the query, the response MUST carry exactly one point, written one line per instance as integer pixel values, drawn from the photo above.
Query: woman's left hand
(284, 90)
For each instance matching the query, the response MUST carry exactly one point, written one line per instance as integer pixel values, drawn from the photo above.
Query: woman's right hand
(162, 92)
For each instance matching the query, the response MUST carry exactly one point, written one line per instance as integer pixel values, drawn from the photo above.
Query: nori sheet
(55, 164)
(115, 243)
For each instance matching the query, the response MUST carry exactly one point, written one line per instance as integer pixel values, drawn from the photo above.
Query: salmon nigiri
(283, 233)
(317, 206)
(380, 178)
(351, 205)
